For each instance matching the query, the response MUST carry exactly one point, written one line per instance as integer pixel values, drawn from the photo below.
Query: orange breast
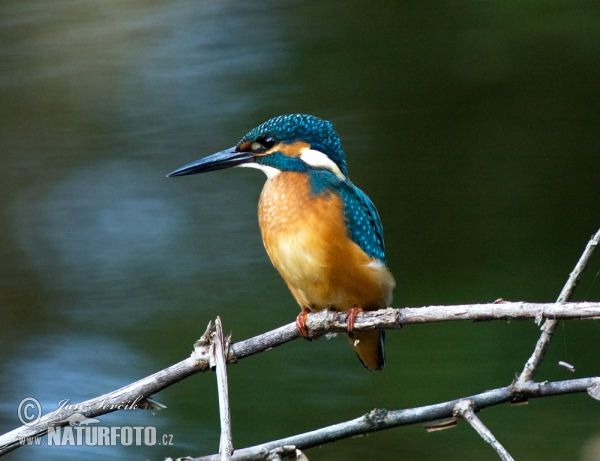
(308, 242)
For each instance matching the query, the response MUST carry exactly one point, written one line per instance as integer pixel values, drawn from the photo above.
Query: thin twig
(378, 420)
(549, 327)
(318, 323)
(220, 346)
(465, 410)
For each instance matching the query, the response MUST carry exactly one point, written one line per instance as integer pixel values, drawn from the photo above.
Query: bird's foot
(350, 318)
(301, 323)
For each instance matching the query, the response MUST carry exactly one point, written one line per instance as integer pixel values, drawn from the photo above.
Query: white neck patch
(320, 160)
(268, 170)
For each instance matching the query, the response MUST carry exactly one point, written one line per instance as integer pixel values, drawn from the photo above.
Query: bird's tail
(369, 346)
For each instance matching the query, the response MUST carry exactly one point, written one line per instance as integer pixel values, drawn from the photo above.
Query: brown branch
(318, 323)
(378, 420)
(549, 327)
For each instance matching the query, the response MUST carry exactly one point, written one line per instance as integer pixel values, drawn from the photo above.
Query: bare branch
(378, 420)
(389, 319)
(220, 345)
(318, 323)
(464, 409)
(549, 327)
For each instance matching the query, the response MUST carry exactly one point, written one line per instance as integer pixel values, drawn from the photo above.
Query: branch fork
(465, 409)
(212, 350)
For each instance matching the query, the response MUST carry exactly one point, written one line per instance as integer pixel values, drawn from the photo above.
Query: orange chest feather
(287, 209)
(307, 240)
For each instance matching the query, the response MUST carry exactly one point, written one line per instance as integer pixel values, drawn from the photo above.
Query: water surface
(472, 126)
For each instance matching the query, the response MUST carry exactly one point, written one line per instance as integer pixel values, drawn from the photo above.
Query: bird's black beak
(219, 161)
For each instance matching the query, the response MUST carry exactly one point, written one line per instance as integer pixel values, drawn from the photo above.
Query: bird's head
(286, 143)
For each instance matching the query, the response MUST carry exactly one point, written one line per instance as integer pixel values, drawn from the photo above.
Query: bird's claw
(350, 319)
(301, 324)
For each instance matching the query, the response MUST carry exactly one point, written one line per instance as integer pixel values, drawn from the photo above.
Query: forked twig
(318, 323)
(464, 409)
(550, 325)
(378, 420)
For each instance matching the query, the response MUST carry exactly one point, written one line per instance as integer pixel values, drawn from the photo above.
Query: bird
(321, 232)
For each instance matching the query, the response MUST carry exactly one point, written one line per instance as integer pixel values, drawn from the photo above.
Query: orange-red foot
(301, 323)
(350, 318)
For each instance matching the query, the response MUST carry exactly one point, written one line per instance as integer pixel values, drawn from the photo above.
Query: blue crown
(299, 127)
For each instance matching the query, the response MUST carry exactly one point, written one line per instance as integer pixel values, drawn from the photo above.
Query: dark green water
(473, 126)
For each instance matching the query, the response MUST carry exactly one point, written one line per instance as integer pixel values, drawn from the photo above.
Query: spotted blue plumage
(278, 147)
(364, 225)
(363, 221)
(317, 132)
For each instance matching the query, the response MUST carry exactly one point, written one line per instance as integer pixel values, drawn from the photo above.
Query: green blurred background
(473, 126)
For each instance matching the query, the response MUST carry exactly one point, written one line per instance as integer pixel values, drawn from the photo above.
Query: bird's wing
(363, 221)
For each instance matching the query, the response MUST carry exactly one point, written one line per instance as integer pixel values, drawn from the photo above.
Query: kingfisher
(321, 232)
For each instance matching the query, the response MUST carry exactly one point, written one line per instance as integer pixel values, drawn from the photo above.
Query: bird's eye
(268, 142)
(263, 144)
